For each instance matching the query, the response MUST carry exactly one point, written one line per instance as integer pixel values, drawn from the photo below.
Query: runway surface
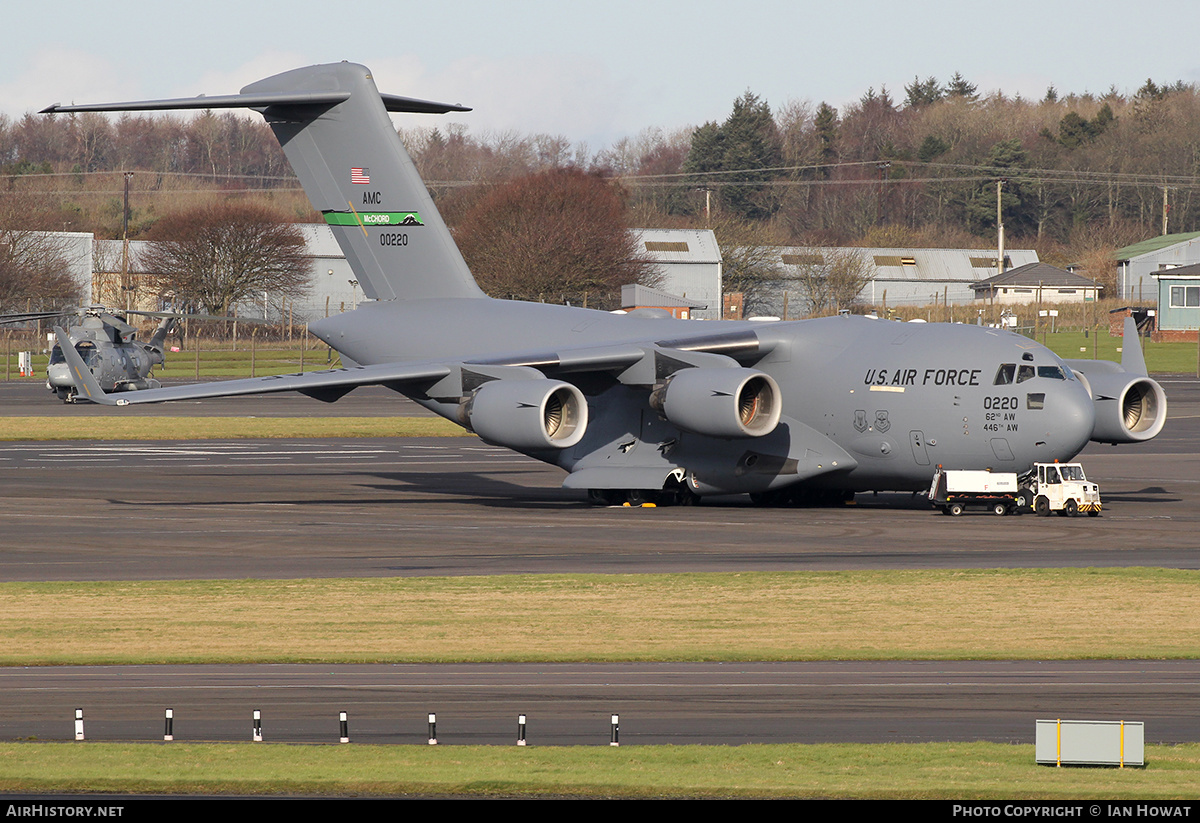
(573, 704)
(453, 506)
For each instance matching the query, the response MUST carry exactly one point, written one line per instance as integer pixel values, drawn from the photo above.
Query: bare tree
(550, 232)
(832, 279)
(221, 254)
(749, 261)
(34, 272)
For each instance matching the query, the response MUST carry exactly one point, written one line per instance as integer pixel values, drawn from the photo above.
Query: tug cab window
(1072, 473)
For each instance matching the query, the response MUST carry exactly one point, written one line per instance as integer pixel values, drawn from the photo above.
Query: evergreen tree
(826, 126)
(923, 93)
(1074, 131)
(932, 147)
(747, 145)
(959, 87)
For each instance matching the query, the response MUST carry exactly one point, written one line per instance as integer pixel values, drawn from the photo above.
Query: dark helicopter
(112, 352)
(109, 348)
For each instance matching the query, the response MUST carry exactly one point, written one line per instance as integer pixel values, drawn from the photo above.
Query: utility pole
(125, 287)
(883, 167)
(999, 230)
(1166, 209)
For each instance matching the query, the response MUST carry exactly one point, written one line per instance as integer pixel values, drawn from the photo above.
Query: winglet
(1132, 360)
(85, 382)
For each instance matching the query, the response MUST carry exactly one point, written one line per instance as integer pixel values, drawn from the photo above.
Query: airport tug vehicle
(1045, 488)
(1059, 487)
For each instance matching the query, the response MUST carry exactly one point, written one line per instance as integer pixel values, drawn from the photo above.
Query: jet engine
(719, 402)
(527, 415)
(1129, 408)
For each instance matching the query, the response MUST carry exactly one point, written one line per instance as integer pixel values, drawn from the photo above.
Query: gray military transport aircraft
(642, 408)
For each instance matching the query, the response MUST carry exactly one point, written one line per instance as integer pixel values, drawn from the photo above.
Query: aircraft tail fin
(334, 128)
(1132, 359)
(159, 340)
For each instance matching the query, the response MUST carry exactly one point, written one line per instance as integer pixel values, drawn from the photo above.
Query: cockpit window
(88, 352)
(1053, 372)
(1004, 375)
(1025, 373)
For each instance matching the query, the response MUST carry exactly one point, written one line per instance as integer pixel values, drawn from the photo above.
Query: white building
(1036, 283)
(904, 277)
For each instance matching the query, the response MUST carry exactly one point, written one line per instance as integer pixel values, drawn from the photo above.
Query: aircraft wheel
(636, 497)
(955, 509)
(603, 497)
(1026, 499)
(999, 509)
(776, 497)
(1042, 507)
(1071, 509)
(685, 497)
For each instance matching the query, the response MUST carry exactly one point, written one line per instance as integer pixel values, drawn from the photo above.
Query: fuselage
(898, 398)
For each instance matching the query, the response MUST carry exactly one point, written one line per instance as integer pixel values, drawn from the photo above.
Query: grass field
(953, 771)
(862, 615)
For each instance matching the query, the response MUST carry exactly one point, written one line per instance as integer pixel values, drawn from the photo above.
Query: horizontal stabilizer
(262, 100)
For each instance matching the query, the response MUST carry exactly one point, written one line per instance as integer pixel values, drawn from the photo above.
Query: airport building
(902, 277)
(1036, 283)
(1178, 317)
(689, 266)
(1138, 264)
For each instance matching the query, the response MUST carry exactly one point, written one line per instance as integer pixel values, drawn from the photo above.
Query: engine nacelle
(718, 402)
(527, 415)
(1130, 408)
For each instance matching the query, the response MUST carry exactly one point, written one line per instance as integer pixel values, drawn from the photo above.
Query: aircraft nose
(59, 376)
(1072, 416)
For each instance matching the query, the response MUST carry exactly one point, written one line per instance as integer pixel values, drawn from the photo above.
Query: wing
(641, 363)
(326, 385)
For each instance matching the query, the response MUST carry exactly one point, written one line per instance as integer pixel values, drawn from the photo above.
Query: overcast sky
(593, 72)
